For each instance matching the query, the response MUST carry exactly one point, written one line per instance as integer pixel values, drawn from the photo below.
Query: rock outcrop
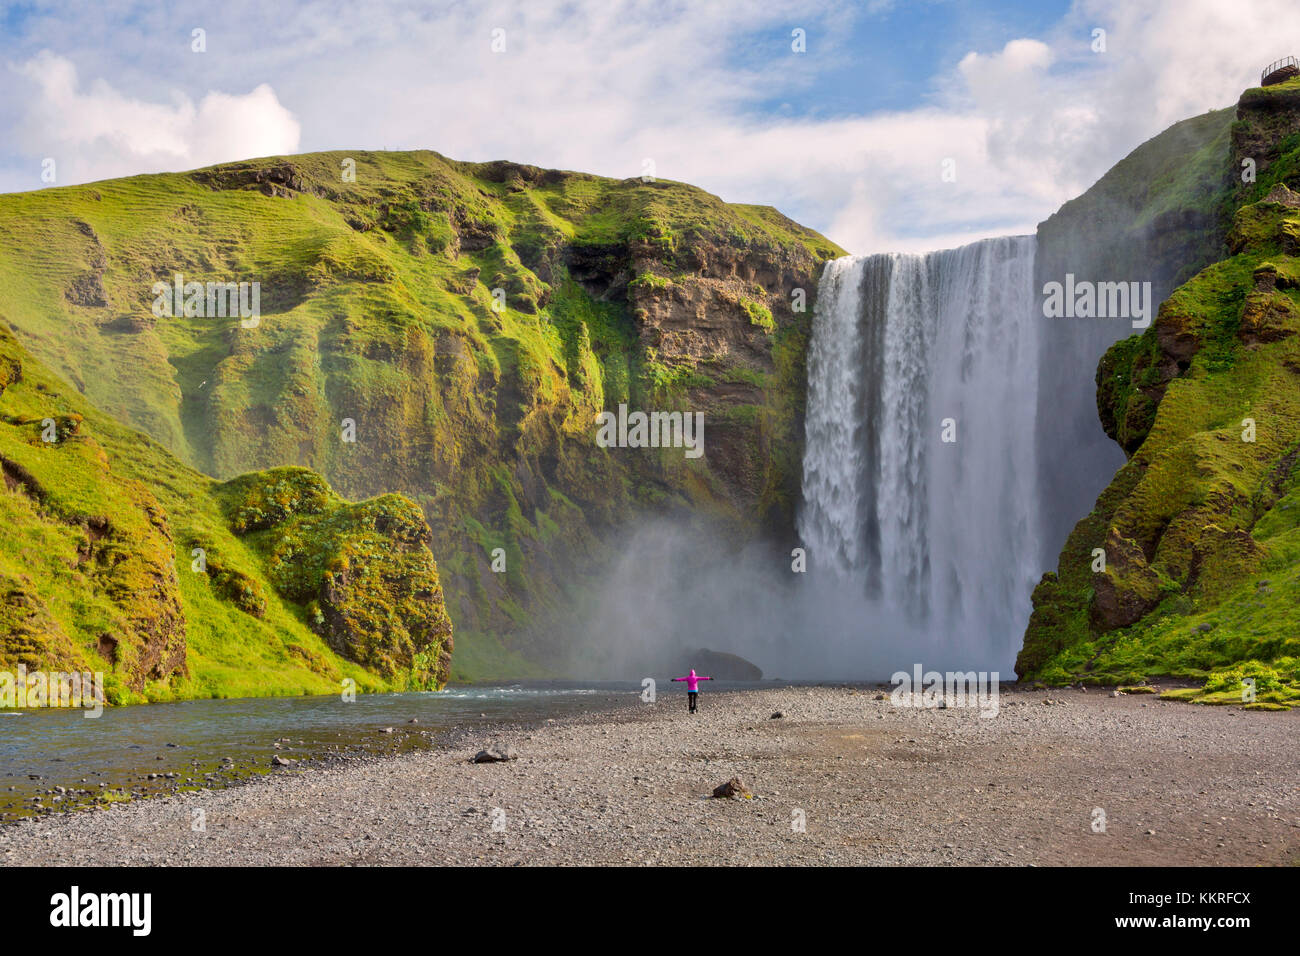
(1163, 577)
(364, 570)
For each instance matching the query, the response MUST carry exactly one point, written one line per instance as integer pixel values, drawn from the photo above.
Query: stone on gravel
(497, 753)
(733, 789)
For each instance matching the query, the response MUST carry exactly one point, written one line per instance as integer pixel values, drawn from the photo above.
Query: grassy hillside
(377, 307)
(1200, 529)
(99, 569)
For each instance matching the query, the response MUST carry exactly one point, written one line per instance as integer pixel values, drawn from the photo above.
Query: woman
(692, 687)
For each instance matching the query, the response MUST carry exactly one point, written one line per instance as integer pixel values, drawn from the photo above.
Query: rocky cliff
(1158, 216)
(1188, 565)
(447, 331)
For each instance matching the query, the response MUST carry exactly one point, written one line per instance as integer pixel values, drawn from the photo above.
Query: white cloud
(598, 85)
(97, 132)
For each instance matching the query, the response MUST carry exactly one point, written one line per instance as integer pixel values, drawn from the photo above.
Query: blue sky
(889, 59)
(848, 137)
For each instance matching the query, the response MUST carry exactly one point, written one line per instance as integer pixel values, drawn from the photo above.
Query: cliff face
(1199, 527)
(1157, 216)
(118, 558)
(443, 330)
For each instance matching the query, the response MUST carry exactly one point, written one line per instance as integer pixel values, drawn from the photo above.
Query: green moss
(760, 315)
(648, 280)
(120, 559)
(1206, 404)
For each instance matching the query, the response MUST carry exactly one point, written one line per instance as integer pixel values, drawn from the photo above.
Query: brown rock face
(1126, 590)
(282, 179)
(1268, 317)
(708, 313)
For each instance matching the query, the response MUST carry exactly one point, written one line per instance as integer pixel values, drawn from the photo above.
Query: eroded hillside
(443, 330)
(118, 558)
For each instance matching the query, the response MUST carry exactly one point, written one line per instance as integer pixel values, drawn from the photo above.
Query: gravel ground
(875, 784)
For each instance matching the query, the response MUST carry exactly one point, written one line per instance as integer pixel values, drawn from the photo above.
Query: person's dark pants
(694, 695)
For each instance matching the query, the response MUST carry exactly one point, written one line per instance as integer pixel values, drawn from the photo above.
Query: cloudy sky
(850, 136)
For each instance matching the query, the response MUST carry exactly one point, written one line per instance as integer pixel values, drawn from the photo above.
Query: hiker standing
(692, 687)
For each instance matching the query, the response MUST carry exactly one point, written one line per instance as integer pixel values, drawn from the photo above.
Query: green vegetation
(1201, 528)
(120, 559)
(1254, 685)
(759, 315)
(466, 321)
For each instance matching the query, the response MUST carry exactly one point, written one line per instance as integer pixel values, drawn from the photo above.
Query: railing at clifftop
(1280, 71)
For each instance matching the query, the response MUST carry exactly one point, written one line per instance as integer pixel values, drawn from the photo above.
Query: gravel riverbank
(873, 784)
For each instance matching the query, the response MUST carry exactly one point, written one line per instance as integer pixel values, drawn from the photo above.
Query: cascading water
(939, 538)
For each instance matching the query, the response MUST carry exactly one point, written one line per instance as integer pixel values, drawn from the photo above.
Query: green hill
(1199, 529)
(377, 322)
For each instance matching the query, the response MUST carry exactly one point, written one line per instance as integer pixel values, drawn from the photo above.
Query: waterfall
(938, 539)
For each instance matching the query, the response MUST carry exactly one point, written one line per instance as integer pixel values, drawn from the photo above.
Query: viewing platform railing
(1280, 71)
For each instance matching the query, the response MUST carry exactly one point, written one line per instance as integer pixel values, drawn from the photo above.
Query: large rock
(1127, 589)
(364, 569)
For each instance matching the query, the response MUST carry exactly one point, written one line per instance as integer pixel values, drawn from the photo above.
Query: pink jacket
(692, 682)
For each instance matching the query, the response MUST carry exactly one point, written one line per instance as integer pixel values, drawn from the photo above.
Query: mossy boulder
(1126, 590)
(1268, 317)
(364, 569)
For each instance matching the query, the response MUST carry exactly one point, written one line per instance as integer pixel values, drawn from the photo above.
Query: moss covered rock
(364, 570)
(1199, 530)
(117, 558)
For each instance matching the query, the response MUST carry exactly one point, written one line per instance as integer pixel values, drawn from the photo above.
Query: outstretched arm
(679, 678)
(706, 678)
